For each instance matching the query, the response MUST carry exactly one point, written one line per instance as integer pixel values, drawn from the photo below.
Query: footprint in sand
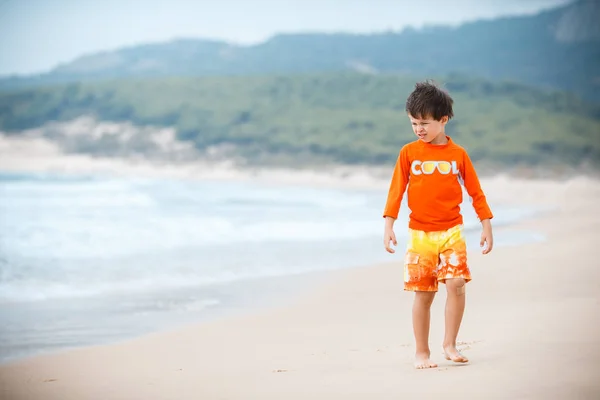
(462, 346)
(459, 343)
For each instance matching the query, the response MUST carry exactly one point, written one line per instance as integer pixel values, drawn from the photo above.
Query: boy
(434, 167)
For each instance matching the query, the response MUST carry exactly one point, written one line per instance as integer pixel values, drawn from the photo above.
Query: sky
(37, 35)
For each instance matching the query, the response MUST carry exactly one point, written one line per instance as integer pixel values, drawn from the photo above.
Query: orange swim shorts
(433, 257)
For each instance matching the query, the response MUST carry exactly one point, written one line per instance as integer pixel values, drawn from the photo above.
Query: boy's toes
(453, 354)
(423, 362)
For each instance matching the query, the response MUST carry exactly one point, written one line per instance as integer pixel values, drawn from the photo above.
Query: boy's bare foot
(422, 361)
(453, 354)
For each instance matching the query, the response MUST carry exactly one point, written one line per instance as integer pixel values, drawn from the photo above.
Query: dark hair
(427, 100)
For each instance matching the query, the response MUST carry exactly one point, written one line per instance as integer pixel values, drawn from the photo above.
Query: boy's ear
(444, 119)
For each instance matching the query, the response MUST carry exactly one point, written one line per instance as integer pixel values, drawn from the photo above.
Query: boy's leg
(421, 316)
(420, 277)
(455, 273)
(455, 307)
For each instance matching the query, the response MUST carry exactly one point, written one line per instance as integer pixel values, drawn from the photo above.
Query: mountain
(558, 49)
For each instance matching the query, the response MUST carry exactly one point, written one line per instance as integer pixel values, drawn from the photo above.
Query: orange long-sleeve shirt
(434, 174)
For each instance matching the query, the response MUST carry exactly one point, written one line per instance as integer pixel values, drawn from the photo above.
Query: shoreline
(350, 335)
(289, 288)
(296, 285)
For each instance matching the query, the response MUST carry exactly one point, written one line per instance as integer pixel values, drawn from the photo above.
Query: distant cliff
(579, 23)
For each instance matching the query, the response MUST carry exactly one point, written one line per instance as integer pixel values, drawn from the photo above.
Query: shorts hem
(467, 279)
(440, 281)
(416, 289)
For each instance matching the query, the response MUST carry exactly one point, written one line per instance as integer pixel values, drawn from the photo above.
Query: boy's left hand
(487, 239)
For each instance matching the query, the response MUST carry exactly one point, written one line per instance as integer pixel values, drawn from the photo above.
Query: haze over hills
(558, 49)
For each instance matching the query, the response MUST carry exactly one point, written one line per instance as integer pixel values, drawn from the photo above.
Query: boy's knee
(424, 298)
(456, 286)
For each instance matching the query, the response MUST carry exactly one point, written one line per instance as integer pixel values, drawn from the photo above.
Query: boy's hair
(427, 100)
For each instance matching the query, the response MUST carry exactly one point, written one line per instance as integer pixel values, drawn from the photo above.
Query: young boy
(434, 167)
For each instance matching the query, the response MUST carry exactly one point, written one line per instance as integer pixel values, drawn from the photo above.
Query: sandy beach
(531, 330)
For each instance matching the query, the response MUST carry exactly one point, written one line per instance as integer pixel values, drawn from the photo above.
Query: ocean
(93, 260)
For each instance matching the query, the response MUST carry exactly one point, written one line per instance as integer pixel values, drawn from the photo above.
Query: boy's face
(427, 129)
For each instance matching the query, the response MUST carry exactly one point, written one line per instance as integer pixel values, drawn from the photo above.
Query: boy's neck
(440, 139)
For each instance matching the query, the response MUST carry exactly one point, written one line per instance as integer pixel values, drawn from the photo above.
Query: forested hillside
(344, 118)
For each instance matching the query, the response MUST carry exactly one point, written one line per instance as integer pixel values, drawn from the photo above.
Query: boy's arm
(394, 198)
(471, 182)
(397, 185)
(480, 204)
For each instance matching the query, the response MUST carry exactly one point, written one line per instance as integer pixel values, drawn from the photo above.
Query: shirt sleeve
(397, 185)
(471, 183)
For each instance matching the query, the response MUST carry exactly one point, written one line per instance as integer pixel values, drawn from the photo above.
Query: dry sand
(531, 330)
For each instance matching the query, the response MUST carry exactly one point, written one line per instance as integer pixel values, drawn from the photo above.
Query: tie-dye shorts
(433, 257)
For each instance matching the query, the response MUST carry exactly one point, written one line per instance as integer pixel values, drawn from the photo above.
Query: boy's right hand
(389, 236)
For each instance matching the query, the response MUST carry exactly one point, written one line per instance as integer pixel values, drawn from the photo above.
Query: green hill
(557, 49)
(344, 118)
